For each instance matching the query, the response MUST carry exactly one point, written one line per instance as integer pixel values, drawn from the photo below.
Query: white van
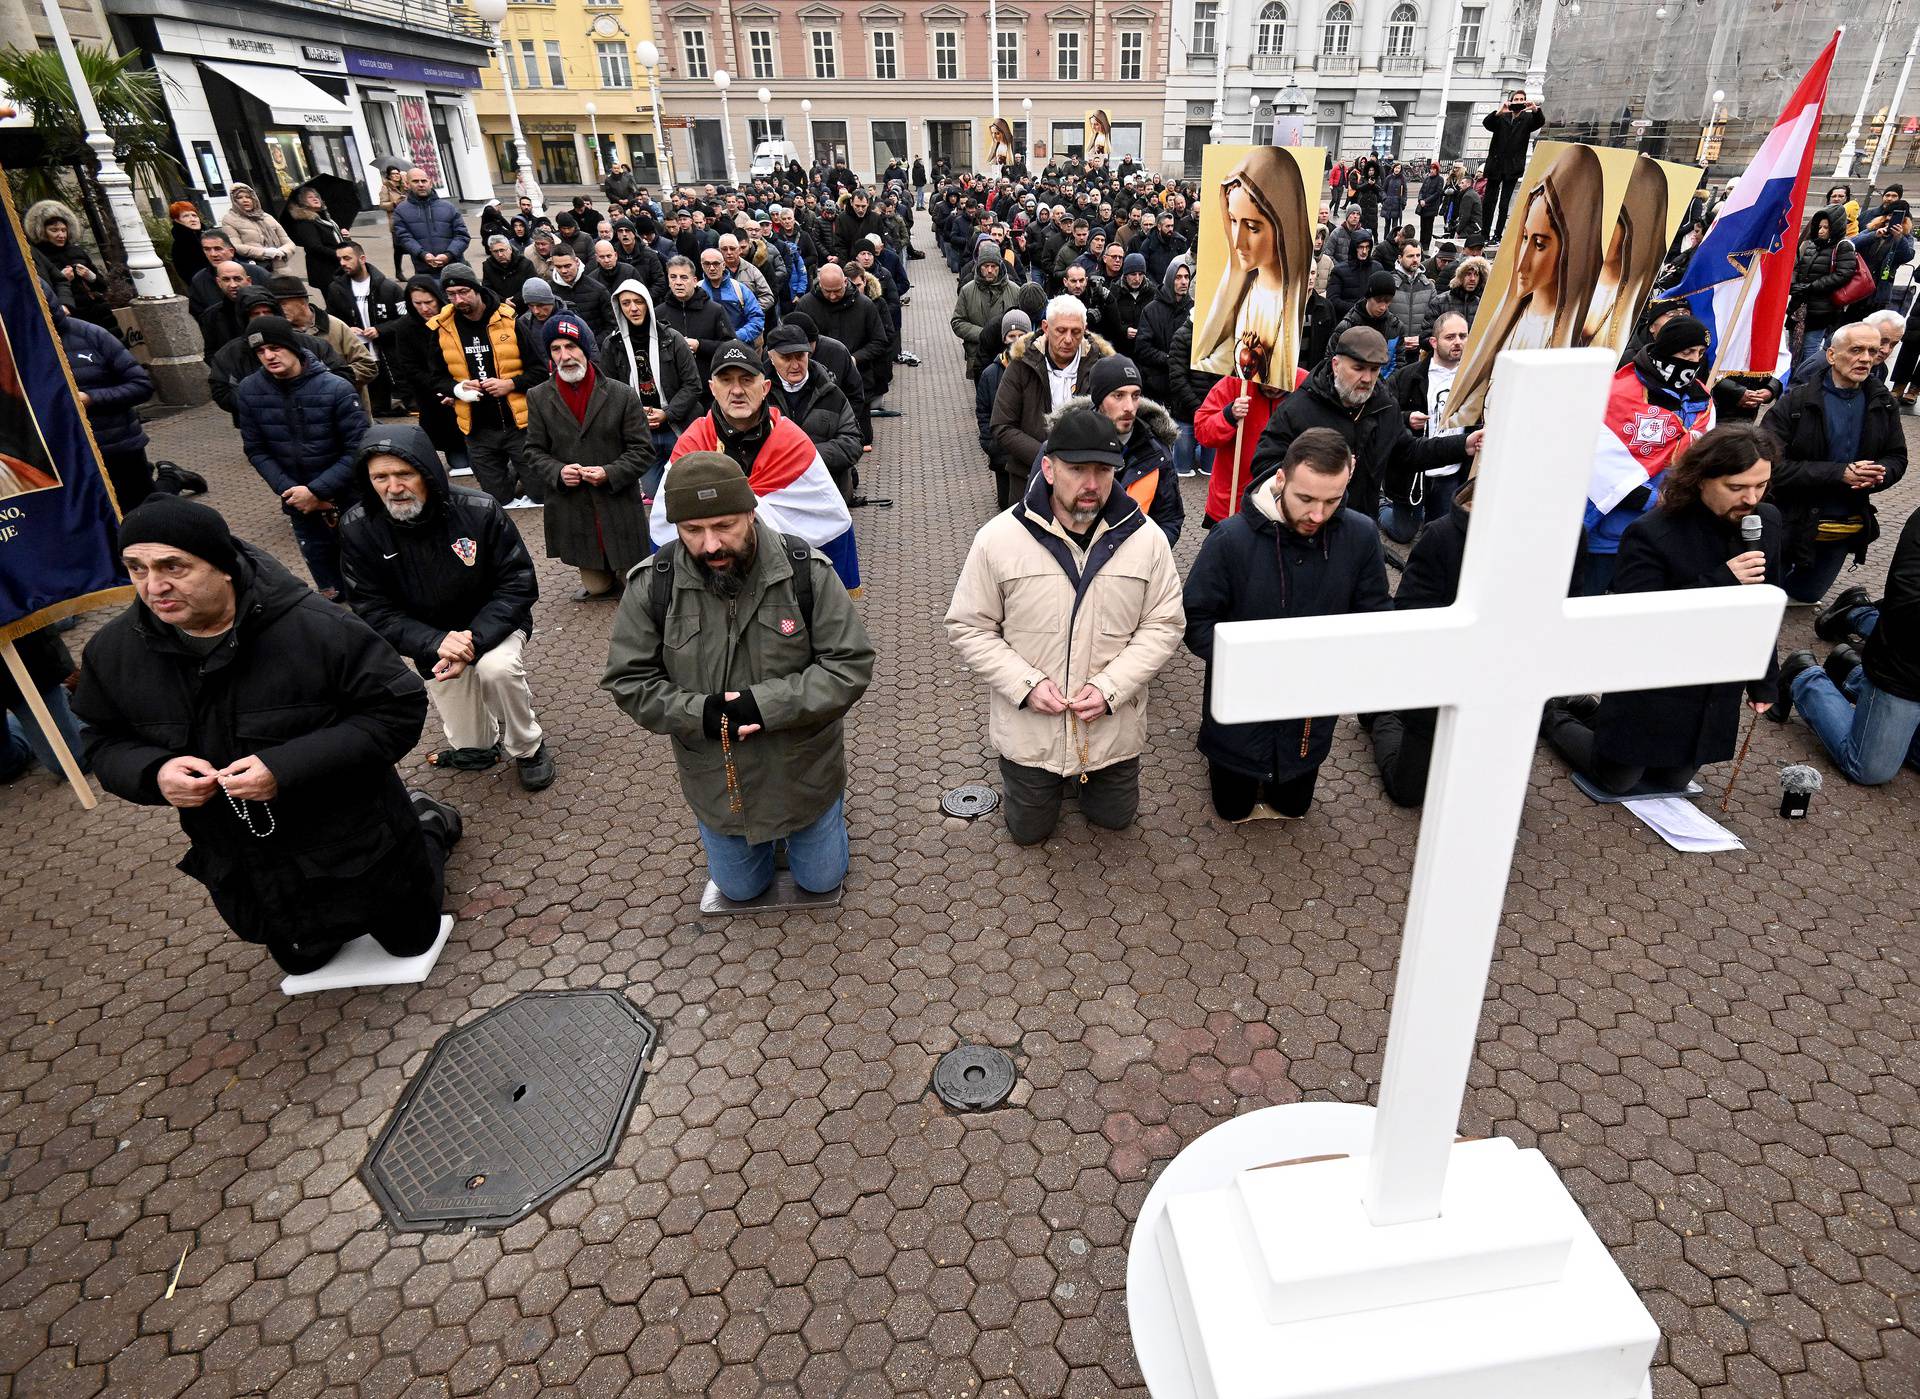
(769, 156)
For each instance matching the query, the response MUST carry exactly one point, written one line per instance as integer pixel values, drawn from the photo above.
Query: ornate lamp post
(494, 13)
(599, 162)
(650, 60)
(723, 81)
(1026, 110)
(806, 115)
(766, 121)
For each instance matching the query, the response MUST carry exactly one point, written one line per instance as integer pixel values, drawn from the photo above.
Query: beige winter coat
(257, 235)
(1014, 622)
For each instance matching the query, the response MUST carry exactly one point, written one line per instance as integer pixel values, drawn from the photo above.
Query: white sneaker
(525, 502)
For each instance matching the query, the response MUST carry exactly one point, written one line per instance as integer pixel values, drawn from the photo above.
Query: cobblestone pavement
(1718, 1052)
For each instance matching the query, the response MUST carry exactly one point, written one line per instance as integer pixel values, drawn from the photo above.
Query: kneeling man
(741, 643)
(271, 720)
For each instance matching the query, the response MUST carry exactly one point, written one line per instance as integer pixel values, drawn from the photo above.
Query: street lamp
(593, 118)
(806, 115)
(493, 13)
(1026, 108)
(650, 60)
(722, 81)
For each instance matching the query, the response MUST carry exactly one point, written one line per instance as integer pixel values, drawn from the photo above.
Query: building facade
(273, 93)
(1406, 79)
(899, 79)
(564, 55)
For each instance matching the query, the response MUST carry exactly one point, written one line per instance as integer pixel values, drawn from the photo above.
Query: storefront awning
(292, 100)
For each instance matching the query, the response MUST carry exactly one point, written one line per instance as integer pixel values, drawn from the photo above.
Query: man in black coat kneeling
(271, 720)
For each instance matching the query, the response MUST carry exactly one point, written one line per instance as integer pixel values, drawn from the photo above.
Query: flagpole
(29, 691)
(1747, 283)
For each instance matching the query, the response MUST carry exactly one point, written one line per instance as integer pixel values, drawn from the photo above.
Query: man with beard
(1422, 389)
(796, 492)
(373, 307)
(1290, 551)
(271, 722)
(1068, 606)
(748, 275)
(1346, 394)
(1127, 300)
(852, 224)
(981, 305)
(740, 642)
(442, 575)
(806, 394)
(487, 363)
(589, 445)
(1147, 436)
(689, 310)
(1692, 539)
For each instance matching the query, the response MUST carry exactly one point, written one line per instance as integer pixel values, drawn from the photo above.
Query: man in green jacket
(750, 668)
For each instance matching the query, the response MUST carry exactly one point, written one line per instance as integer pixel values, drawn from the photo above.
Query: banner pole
(1740, 304)
(55, 740)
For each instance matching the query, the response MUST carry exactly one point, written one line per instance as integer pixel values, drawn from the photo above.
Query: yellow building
(576, 76)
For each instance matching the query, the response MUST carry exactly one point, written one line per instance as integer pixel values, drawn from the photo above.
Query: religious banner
(59, 524)
(1650, 199)
(413, 116)
(1255, 259)
(1000, 148)
(1098, 143)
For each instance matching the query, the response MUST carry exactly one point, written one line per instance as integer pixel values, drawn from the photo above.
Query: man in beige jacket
(1068, 605)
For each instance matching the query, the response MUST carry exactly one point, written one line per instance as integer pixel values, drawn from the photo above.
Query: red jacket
(1213, 428)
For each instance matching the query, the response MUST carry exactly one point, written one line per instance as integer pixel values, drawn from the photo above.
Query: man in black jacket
(808, 394)
(842, 312)
(1291, 551)
(1691, 540)
(1346, 394)
(1512, 125)
(204, 292)
(271, 720)
(374, 307)
(856, 219)
(689, 310)
(1865, 702)
(580, 291)
(829, 354)
(1838, 444)
(443, 576)
(236, 359)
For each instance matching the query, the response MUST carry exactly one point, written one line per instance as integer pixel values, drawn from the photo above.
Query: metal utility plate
(510, 1110)
(973, 1077)
(970, 801)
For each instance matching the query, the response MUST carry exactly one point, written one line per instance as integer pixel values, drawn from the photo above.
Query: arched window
(1272, 38)
(1400, 25)
(1337, 29)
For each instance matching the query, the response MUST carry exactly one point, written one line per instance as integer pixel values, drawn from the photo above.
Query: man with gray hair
(745, 272)
(1890, 326)
(1044, 370)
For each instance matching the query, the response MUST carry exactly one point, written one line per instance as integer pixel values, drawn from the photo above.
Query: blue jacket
(113, 381)
(302, 431)
(742, 306)
(430, 225)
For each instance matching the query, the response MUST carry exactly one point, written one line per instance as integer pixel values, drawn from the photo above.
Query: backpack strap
(660, 584)
(660, 581)
(800, 555)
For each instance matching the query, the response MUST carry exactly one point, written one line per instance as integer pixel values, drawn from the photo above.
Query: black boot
(1790, 670)
(437, 815)
(1835, 622)
(1840, 664)
(175, 479)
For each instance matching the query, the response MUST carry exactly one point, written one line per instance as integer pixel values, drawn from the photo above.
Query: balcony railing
(420, 16)
(1336, 65)
(1403, 65)
(1273, 63)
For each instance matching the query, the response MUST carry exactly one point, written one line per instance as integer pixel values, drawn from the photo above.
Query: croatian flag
(1740, 275)
(1638, 441)
(796, 492)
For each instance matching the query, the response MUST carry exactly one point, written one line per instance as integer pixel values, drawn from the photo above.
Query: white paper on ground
(363, 962)
(1683, 825)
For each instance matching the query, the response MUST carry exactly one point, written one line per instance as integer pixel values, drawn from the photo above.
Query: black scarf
(1668, 381)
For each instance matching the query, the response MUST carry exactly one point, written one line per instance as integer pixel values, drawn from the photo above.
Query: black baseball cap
(737, 354)
(1084, 435)
(787, 339)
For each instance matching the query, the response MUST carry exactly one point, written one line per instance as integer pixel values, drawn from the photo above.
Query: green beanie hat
(702, 485)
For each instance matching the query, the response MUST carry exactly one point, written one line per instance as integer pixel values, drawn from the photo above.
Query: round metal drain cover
(970, 801)
(973, 1077)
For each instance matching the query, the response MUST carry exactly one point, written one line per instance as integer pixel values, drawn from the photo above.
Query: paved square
(1718, 1052)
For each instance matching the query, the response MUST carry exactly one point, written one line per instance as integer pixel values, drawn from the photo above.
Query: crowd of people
(687, 384)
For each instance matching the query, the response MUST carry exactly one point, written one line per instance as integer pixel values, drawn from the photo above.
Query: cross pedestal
(1414, 1265)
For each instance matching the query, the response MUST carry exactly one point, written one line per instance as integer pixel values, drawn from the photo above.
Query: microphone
(1798, 783)
(1750, 529)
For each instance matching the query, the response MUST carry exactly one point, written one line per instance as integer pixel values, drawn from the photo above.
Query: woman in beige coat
(254, 232)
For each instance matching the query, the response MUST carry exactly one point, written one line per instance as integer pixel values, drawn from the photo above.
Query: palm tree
(130, 108)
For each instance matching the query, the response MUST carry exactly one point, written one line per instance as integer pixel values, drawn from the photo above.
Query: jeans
(318, 535)
(816, 856)
(15, 756)
(1500, 190)
(1869, 732)
(1234, 793)
(1032, 797)
(28, 728)
(1808, 582)
(1185, 449)
(1401, 522)
(663, 440)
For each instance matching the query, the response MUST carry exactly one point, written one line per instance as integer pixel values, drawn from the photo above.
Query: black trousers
(296, 959)
(1234, 793)
(1426, 232)
(1031, 798)
(131, 474)
(1573, 739)
(1500, 190)
(1403, 749)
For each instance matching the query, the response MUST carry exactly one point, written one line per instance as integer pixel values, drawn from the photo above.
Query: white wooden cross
(1511, 640)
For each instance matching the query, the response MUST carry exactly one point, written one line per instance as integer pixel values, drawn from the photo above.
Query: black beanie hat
(1380, 284)
(181, 524)
(1110, 373)
(1680, 333)
(272, 330)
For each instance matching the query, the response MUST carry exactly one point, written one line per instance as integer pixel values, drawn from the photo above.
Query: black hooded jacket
(236, 360)
(1158, 324)
(504, 279)
(461, 566)
(386, 305)
(699, 320)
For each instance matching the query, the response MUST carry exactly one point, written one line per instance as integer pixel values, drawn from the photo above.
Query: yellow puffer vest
(506, 357)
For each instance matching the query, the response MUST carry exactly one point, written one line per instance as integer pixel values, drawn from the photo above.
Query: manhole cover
(511, 1110)
(973, 1077)
(970, 801)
